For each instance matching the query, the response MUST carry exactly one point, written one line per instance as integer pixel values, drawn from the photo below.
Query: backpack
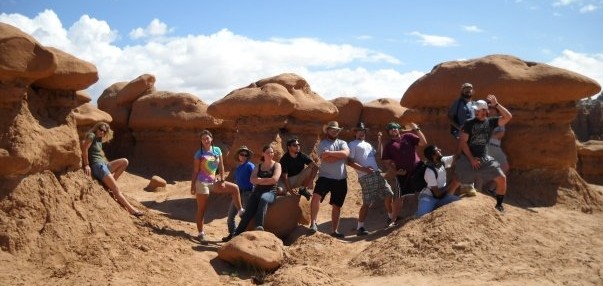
(416, 181)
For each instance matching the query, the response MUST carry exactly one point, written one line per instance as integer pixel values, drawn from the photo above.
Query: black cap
(360, 126)
(429, 151)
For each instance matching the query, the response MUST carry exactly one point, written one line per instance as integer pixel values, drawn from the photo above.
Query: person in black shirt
(299, 170)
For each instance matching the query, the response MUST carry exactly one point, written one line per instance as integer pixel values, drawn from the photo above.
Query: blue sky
(366, 49)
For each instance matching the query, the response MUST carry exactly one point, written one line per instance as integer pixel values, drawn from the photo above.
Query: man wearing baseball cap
(400, 156)
(474, 161)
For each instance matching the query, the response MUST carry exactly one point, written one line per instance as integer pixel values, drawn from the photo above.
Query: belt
(494, 144)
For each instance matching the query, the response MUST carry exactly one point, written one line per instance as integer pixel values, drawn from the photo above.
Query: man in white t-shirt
(374, 186)
(436, 193)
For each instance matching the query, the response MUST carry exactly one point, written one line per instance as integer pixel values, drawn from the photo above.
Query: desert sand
(465, 243)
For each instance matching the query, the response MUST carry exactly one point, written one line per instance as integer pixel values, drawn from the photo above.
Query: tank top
(265, 174)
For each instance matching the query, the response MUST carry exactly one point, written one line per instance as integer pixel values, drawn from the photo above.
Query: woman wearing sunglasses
(95, 162)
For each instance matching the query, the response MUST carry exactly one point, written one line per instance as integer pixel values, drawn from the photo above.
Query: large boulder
(590, 160)
(259, 249)
(71, 73)
(22, 58)
(540, 97)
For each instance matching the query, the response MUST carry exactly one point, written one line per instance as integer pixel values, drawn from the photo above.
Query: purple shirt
(403, 152)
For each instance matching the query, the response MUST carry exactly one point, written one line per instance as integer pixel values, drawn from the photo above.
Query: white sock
(390, 215)
(360, 224)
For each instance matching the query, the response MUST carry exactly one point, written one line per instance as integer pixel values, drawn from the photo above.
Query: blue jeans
(232, 211)
(256, 206)
(428, 203)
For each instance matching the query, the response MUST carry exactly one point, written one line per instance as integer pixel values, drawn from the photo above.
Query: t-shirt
(95, 152)
(363, 153)
(243, 176)
(293, 166)
(333, 170)
(210, 161)
(479, 135)
(403, 152)
(440, 181)
(461, 111)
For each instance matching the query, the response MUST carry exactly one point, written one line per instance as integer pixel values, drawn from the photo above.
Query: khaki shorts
(297, 180)
(203, 188)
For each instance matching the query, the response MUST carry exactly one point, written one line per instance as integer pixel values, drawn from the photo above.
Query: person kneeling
(435, 194)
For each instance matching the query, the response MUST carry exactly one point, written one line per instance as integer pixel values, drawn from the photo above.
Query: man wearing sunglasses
(299, 170)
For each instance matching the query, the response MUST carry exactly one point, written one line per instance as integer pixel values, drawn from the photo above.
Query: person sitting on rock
(208, 176)
(299, 170)
(264, 177)
(435, 194)
(95, 163)
(242, 175)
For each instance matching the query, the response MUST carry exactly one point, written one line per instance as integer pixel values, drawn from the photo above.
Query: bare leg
(233, 190)
(335, 213)
(110, 182)
(362, 213)
(454, 184)
(201, 205)
(117, 167)
(501, 185)
(314, 207)
(389, 201)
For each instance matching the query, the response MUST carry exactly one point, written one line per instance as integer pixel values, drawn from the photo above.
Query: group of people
(477, 126)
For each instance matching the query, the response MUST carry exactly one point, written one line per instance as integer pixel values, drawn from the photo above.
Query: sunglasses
(244, 154)
(294, 145)
(103, 130)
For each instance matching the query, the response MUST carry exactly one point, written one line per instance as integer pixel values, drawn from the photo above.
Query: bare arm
(194, 176)
(419, 133)
(505, 115)
(86, 143)
(266, 181)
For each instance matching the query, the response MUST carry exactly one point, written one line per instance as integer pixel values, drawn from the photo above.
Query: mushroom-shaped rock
(71, 73)
(350, 109)
(167, 110)
(81, 97)
(136, 88)
(540, 97)
(22, 58)
(86, 115)
(166, 128)
(515, 83)
(258, 249)
(308, 104)
(107, 102)
(271, 99)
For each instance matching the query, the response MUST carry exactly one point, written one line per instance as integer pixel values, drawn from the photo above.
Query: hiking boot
(500, 208)
(227, 238)
(259, 227)
(305, 193)
(361, 231)
(313, 228)
(336, 234)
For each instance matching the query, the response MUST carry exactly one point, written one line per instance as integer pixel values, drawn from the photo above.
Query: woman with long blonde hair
(95, 162)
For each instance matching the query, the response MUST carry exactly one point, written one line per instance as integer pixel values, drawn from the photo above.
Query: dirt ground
(70, 232)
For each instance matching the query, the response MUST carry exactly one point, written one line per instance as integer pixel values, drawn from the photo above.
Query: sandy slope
(467, 244)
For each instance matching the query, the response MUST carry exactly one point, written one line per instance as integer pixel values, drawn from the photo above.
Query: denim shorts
(100, 170)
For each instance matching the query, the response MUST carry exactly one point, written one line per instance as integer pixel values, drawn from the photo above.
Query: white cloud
(433, 40)
(564, 2)
(588, 8)
(155, 29)
(590, 65)
(472, 28)
(210, 66)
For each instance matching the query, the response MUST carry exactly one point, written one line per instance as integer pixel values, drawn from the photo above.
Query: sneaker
(305, 193)
(313, 228)
(361, 231)
(388, 221)
(227, 238)
(336, 234)
(241, 212)
(259, 227)
(467, 191)
(201, 237)
(500, 208)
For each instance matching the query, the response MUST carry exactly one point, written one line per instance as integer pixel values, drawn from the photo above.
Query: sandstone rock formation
(258, 249)
(590, 160)
(37, 127)
(273, 108)
(540, 97)
(588, 125)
